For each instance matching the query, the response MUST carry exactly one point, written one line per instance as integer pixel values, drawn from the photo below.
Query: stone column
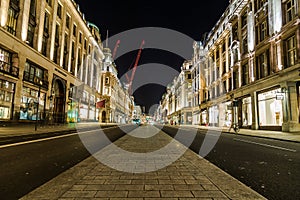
(25, 17)
(20, 61)
(290, 107)
(3, 12)
(41, 25)
(53, 29)
(254, 106)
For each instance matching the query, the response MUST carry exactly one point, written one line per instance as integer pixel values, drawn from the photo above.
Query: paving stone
(90, 182)
(110, 194)
(73, 193)
(176, 181)
(114, 181)
(211, 194)
(188, 187)
(78, 187)
(176, 194)
(159, 187)
(143, 194)
(100, 187)
(209, 187)
(143, 182)
(129, 187)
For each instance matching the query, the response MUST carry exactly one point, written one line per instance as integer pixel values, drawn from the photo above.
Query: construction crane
(130, 79)
(115, 49)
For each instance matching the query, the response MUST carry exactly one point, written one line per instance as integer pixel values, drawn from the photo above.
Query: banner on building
(100, 104)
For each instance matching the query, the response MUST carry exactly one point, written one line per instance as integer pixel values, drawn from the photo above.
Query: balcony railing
(6, 68)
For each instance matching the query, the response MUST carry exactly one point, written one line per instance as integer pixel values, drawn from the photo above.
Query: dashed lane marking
(265, 145)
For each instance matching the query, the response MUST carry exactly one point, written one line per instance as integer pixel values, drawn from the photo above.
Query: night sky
(192, 18)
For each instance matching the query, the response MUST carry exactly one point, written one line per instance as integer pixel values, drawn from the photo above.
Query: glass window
(59, 10)
(46, 23)
(68, 21)
(270, 109)
(246, 112)
(262, 65)
(74, 30)
(245, 74)
(49, 2)
(29, 104)
(12, 17)
(290, 10)
(80, 38)
(291, 48)
(35, 74)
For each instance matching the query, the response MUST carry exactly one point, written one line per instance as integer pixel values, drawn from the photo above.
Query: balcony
(6, 68)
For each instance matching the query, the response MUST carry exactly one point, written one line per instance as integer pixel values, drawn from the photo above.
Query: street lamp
(38, 105)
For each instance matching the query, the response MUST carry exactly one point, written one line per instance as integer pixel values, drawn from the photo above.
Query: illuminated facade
(253, 58)
(47, 49)
(118, 103)
(175, 106)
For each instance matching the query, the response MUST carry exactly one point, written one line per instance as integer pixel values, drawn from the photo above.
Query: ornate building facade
(50, 62)
(119, 105)
(246, 70)
(175, 106)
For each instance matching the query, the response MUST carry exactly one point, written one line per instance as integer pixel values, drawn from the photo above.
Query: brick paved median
(188, 177)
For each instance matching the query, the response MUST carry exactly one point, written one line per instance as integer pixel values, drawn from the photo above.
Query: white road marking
(49, 138)
(266, 145)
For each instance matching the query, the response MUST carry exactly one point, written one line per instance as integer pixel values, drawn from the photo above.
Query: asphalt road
(270, 167)
(25, 166)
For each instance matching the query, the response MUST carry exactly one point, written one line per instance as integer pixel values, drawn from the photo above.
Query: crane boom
(115, 49)
(134, 67)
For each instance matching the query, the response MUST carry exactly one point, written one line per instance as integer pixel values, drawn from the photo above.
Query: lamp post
(38, 105)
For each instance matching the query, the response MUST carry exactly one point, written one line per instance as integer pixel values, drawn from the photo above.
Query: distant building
(118, 103)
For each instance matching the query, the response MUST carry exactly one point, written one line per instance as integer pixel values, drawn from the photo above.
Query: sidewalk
(279, 135)
(17, 132)
(144, 170)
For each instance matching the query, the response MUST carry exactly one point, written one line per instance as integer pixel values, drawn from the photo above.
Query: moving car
(136, 121)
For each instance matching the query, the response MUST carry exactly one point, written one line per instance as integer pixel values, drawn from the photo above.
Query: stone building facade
(246, 70)
(47, 49)
(119, 105)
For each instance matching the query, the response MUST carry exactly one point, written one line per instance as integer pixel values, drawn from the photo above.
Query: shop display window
(270, 108)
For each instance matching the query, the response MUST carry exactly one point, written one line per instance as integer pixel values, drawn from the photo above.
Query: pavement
(145, 164)
(10, 133)
(278, 135)
(174, 172)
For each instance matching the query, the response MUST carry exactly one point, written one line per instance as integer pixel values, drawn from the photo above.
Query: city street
(270, 167)
(30, 164)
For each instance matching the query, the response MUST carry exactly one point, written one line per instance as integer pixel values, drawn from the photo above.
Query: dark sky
(192, 18)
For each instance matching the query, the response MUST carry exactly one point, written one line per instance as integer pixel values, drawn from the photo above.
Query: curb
(32, 136)
(244, 134)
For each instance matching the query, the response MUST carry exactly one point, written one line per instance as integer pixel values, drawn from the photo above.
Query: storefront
(225, 114)
(246, 112)
(196, 117)
(30, 103)
(92, 112)
(83, 112)
(270, 109)
(213, 115)
(6, 98)
(204, 117)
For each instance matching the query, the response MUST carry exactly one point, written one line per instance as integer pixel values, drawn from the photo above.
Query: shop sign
(279, 97)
